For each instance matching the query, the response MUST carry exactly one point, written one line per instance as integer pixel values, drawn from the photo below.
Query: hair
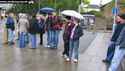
(122, 16)
(68, 17)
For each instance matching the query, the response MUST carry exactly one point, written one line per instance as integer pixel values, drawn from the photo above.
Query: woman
(66, 36)
(23, 25)
(76, 33)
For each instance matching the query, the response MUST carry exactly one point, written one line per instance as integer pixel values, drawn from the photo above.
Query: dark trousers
(66, 48)
(110, 52)
(41, 38)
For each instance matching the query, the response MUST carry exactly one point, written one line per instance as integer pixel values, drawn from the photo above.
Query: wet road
(13, 58)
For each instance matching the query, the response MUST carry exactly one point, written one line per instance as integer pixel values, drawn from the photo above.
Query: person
(41, 23)
(34, 30)
(23, 25)
(119, 51)
(10, 25)
(66, 36)
(56, 28)
(75, 34)
(49, 22)
(112, 45)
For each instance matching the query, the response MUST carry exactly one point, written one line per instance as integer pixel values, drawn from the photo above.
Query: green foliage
(57, 4)
(97, 14)
(86, 1)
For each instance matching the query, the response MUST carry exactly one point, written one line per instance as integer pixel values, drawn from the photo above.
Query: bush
(97, 14)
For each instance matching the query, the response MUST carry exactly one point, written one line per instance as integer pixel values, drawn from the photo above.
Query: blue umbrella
(46, 10)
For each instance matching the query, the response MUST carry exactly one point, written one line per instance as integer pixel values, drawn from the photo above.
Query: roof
(94, 6)
(100, 2)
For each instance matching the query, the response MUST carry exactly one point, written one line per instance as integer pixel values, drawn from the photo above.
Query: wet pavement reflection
(13, 58)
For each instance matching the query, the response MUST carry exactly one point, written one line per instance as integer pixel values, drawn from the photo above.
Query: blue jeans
(22, 38)
(118, 56)
(10, 35)
(33, 40)
(55, 38)
(49, 38)
(110, 52)
(73, 49)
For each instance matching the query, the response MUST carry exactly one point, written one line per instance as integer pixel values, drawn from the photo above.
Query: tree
(58, 4)
(86, 1)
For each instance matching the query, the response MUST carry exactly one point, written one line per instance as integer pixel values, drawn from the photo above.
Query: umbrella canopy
(46, 10)
(72, 13)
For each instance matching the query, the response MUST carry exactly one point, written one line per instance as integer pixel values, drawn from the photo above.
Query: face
(120, 20)
(38, 17)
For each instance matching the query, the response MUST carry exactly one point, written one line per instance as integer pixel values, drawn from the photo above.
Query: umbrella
(46, 10)
(72, 13)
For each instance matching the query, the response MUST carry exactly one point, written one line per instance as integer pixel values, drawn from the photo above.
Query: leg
(48, 38)
(111, 50)
(53, 35)
(66, 48)
(22, 40)
(11, 36)
(118, 56)
(56, 36)
(76, 51)
(41, 38)
(71, 49)
(110, 53)
(64, 52)
(33, 40)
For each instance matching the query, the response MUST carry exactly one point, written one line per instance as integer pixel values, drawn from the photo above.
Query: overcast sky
(6, 6)
(98, 2)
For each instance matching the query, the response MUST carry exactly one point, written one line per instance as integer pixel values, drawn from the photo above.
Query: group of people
(116, 48)
(29, 26)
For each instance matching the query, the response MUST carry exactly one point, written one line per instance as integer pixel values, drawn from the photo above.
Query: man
(120, 49)
(111, 48)
(10, 28)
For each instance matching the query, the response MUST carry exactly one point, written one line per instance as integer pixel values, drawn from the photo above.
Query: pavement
(92, 51)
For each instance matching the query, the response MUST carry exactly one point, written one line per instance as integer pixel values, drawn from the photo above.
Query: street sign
(115, 11)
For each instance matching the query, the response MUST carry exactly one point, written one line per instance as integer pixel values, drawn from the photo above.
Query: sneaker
(106, 61)
(48, 46)
(67, 59)
(75, 60)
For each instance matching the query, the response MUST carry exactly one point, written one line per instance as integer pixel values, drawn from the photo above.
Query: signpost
(115, 11)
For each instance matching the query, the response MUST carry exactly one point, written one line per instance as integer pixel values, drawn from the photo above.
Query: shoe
(75, 60)
(32, 48)
(67, 59)
(40, 43)
(48, 46)
(5, 43)
(106, 61)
